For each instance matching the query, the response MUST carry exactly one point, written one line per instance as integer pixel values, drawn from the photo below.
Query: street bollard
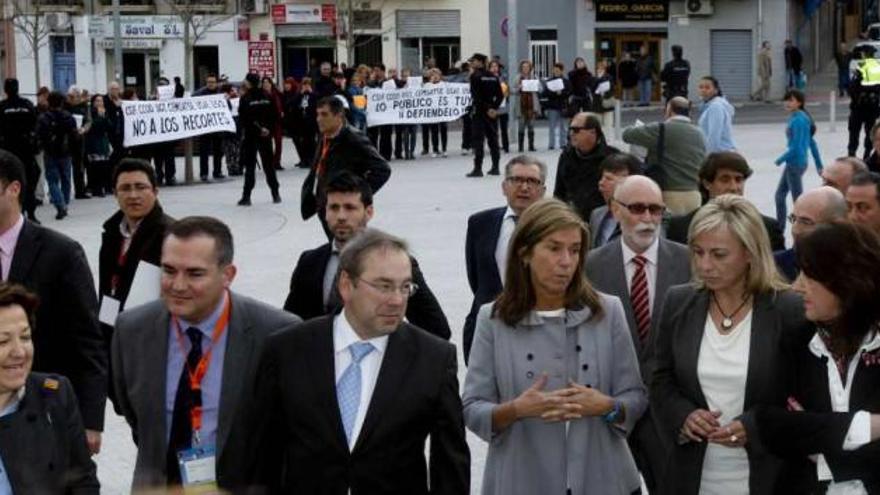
(618, 134)
(833, 111)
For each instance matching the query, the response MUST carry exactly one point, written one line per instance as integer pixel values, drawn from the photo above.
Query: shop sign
(632, 10)
(129, 44)
(261, 58)
(157, 27)
(243, 29)
(303, 13)
(96, 27)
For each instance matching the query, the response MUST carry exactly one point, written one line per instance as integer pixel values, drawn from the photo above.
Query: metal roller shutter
(428, 23)
(732, 62)
(316, 30)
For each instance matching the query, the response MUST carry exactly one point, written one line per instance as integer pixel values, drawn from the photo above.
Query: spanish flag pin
(50, 384)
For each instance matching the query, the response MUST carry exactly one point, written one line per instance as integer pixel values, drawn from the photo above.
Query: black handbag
(655, 171)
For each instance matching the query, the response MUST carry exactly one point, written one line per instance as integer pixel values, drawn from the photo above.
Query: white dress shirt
(343, 336)
(859, 432)
(650, 268)
(508, 224)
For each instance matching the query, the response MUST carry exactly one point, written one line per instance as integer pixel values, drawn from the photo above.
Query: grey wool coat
(532, 456)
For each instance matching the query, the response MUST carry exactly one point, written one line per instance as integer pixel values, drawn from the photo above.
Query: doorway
(612, 46)
(297, 60)
(205, 61)
(63, 63)
(134, 73)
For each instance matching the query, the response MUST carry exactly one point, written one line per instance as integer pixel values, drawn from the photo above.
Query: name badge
(109, 310)
(198, 469)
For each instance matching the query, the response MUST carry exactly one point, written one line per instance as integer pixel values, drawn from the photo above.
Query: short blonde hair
(744, 221)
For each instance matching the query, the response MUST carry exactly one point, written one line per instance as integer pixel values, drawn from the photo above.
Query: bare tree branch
(35, 30)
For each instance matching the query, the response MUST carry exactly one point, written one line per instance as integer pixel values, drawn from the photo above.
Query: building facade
(719, 37)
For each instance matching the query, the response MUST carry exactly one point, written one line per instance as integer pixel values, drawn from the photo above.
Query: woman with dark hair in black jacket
(581, 87)
(829, 433)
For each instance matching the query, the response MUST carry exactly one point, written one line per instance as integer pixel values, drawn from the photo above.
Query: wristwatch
(612, 416)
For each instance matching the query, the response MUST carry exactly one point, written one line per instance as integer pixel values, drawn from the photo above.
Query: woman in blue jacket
(799, 132)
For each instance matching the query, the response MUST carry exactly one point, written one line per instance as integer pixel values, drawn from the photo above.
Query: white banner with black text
(428, 104)
(149, 122)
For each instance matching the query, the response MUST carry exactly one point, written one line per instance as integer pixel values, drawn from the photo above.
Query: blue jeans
(792, 179)
(58, 178)
(558, 132)
(645, 88)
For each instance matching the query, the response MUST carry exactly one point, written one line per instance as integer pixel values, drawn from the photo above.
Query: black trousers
(485, 129)
(380, 136)
(859, 118)
(78, 169)
(426, 131)
(503, 125)
(210, 145)
(249, 148)
(164, 162)
(439, 136)
(466, 132)
(32, 177)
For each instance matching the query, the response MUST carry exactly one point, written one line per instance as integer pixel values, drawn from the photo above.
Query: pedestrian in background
(305, 123)
(629, 78)
(842, 57)
(581, 83)
(97, 148)
(80, 109)
(486, 97)
(259, 115)
(56, 130)
(645, 68)
(675, 75)
(799, 133)
(277, 130)
(528, 107)
(503, 109)
(555, 100)
(716, 116)
(794, 62)
(355, 92)
(765, 72)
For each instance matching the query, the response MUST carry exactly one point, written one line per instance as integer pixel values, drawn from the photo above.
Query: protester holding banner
(163, 152)
(210, 145)
(258, 117)
(79, 109)
(527, 90)
(359, 102)
(380, 135)
(439, 130)
(503, 109)
(486, 97)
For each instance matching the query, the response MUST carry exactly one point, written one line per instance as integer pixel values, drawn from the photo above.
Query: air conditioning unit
(58, 21)
(698, 7)
(254, 6)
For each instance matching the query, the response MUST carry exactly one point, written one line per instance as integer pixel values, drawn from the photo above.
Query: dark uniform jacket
(350, 151)
(306, 297)
(486, 92)
(18, 125)
(43, 444)
(256, 111)
(675, 76)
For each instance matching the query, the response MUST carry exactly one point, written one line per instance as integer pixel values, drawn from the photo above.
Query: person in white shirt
(829, 432)
(719, 355)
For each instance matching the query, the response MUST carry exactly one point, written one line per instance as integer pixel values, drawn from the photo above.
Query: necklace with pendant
(727, 319)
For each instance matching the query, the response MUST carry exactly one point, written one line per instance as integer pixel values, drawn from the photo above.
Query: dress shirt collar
(650, 254)
(206, 326)
(679, 118)
(335, 248)
(126, 232)
(870, 343)
(9, 238)
(344, 335)
(13, 405)
(509, 213)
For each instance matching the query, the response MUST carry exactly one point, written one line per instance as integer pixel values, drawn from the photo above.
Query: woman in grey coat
(553, 382)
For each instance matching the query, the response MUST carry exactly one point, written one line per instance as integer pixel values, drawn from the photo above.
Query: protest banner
(158, 121)
(429, 104)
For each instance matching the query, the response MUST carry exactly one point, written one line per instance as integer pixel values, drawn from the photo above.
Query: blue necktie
(348, 389)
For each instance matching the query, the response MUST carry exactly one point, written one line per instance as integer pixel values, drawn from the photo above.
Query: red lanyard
(196, 376)
(325, 149)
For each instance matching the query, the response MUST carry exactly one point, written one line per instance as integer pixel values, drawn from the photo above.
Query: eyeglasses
(806, 222)
(138, 188)
(524, 181)
(388, 289)
(641, 208)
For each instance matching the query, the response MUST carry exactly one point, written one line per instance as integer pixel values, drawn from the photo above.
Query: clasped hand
(573, 402)
(703, 425)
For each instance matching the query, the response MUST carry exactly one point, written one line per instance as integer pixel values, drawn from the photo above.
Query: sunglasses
(640, 208)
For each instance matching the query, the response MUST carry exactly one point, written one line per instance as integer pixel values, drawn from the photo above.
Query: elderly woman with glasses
(719, 354)
(42, 440)
(553, 381)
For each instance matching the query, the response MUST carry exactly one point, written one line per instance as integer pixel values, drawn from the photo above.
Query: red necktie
(638, 295)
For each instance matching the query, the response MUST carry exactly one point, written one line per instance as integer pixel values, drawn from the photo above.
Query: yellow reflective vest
(870, 71)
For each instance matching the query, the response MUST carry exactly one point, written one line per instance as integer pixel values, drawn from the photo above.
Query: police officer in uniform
(864, 107)
(18, 125)
(675, 75)
(486, 97)
(257, 115)
(42, 440)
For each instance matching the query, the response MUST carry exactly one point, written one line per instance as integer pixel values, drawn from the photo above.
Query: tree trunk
(36, 49)
(187, 82)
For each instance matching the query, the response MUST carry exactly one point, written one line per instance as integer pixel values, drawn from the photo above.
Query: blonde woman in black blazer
(719, 354)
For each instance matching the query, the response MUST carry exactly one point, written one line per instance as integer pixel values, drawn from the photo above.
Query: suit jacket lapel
(492, 241)
(154, 350)
(395, 364)
(661, 284)
(691, 337)
(26, 250)
(239, 353)
(619, 286)
(322, 364)
(761, 347)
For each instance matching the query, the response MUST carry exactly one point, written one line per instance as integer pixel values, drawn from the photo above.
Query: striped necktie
(639, 297)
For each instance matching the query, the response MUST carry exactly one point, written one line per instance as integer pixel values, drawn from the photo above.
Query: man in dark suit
(724, 172)
(133, 235)
(821, 205)
(342, 149)
(312, 285)
(183, 365)
(639, 267)
(345, 403)
(489, 232)
(604, 228)
(67, 338)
